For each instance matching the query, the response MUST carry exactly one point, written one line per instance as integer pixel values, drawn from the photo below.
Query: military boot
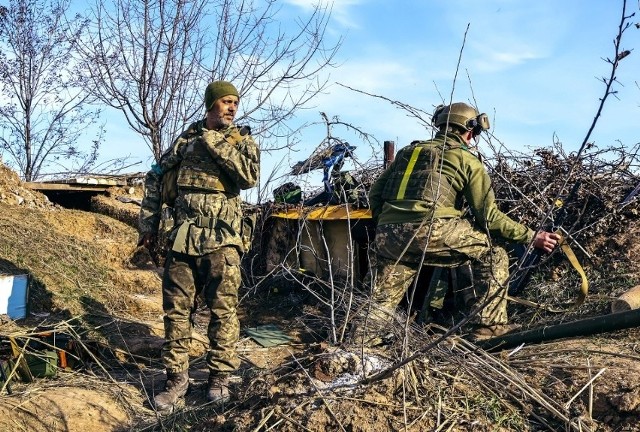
(175, 387)
(218, 388)
(482, 333)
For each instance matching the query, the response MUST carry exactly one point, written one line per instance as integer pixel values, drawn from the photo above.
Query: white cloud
(499, 60)
(512, 58)
(341, 10)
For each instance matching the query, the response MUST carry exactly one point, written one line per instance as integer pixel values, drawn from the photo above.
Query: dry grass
(66, 265)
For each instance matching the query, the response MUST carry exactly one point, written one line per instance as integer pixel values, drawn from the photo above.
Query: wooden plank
(78, 187)
(91, 180)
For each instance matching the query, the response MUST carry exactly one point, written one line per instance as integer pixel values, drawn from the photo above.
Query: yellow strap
(584, 286)
(405, 178)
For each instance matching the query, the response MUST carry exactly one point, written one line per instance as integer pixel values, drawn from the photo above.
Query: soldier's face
(223, 112)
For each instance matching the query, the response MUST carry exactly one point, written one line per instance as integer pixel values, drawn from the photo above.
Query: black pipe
(585, 327)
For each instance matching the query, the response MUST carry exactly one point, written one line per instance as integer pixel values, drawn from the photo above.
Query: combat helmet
(462, 115)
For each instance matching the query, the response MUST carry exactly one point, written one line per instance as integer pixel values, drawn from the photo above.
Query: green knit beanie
(216, 90)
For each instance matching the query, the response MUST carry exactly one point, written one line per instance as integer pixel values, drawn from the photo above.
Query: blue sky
(534, 67)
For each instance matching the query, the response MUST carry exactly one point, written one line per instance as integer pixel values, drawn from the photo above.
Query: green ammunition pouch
(43, 363)
(289, 193)
(190, 179)
(43, 354)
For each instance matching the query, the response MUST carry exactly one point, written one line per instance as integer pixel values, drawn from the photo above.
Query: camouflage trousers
(217, 276)
(444, 243)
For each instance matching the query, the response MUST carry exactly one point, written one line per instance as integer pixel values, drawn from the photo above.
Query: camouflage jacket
(466, 180)
(212, 169)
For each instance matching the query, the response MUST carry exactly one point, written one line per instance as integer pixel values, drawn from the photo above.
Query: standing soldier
(208, 164)
(417, 204)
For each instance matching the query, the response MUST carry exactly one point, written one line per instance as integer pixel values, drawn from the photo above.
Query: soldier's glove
(235, 135)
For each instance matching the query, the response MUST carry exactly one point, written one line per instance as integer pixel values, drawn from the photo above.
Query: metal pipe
(585, 327)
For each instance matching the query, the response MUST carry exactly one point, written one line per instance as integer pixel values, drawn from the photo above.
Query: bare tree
(145, 59)
(153, 59)
(44, 109)
(279, 72)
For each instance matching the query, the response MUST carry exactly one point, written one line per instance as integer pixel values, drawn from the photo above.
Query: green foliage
(489, 410)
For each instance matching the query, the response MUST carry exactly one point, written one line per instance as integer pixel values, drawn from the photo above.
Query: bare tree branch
(45, 112)
(278, 73)
(145, 59)
(152, 61)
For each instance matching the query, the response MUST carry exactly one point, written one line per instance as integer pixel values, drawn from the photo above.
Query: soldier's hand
(236, 135)
(546, 241)
(148, 241)
(233, 136)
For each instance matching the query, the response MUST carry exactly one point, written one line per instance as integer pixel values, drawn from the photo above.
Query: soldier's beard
(222, 121)
(226, 119)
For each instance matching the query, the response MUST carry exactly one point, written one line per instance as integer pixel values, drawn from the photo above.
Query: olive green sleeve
(481, 199)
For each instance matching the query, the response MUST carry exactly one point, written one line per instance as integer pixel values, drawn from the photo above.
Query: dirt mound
(64, 410)
(12, 191)
(119, 203)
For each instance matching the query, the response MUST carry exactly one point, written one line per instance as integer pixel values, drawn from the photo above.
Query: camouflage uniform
(206, 241)
(417, 204)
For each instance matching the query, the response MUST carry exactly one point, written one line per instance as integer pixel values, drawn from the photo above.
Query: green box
(6, 366)
(43, 364)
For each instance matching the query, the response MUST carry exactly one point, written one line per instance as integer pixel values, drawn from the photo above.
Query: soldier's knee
(500, 257)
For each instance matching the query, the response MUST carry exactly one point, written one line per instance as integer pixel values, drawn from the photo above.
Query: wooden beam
(68, 187)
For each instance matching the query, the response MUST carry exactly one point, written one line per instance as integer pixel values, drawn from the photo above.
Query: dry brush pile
(435, 383)
(596, 197)
(528, 185)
